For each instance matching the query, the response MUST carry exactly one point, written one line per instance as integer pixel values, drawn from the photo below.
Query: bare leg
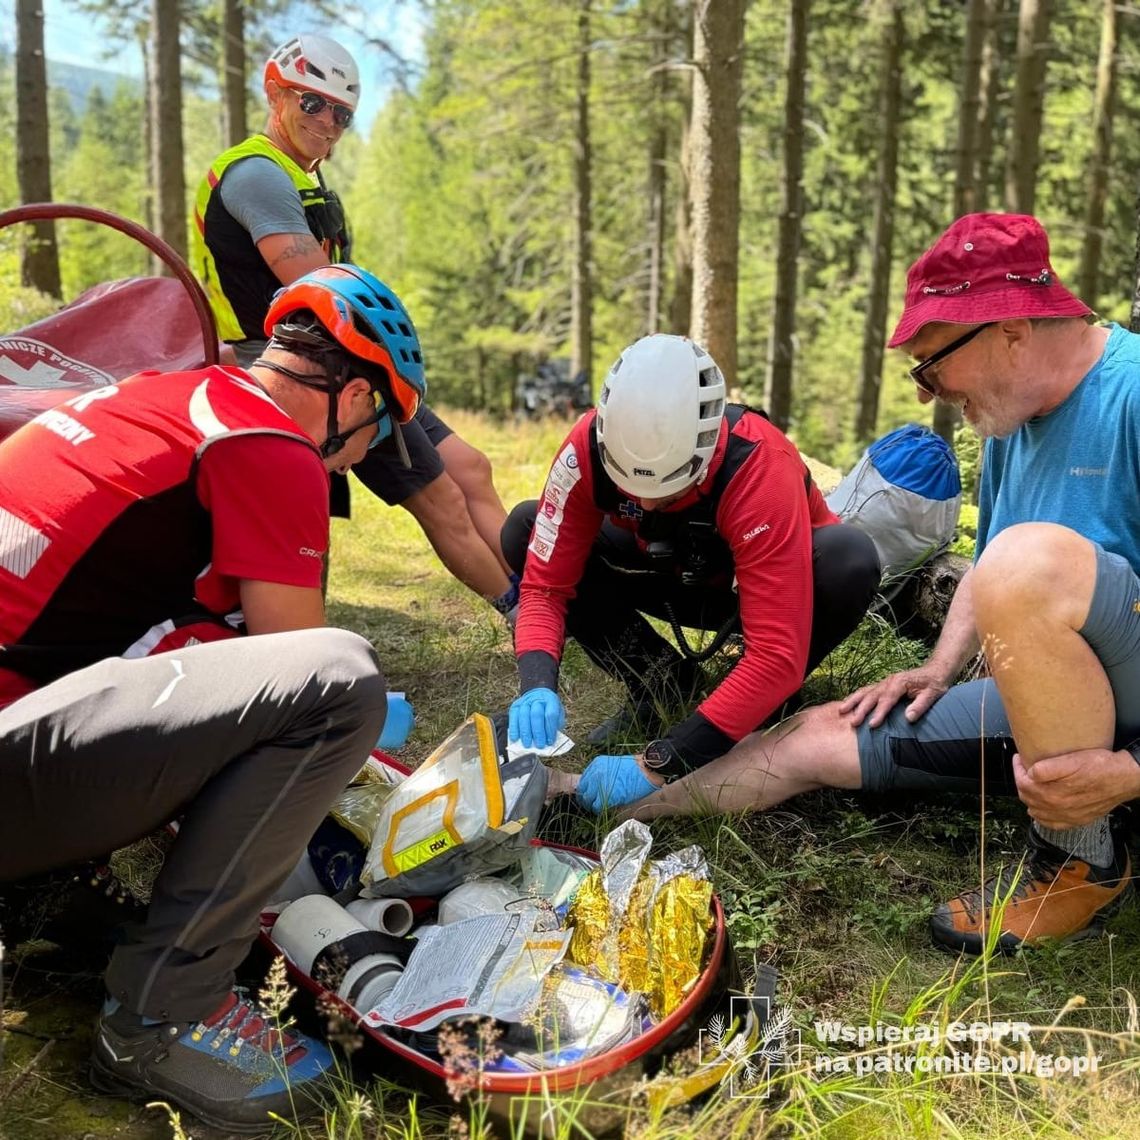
(1032, 590)
(471, 470)
(816, 749)
(441, 511)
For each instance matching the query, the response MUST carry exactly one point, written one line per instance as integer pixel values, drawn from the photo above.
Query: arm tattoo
(303, 245)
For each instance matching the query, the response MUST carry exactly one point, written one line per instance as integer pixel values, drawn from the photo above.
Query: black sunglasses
(313, 103)
(917, 373)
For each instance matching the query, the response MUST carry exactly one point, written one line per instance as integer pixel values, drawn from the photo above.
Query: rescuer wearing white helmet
(668, 500)
(264, 217)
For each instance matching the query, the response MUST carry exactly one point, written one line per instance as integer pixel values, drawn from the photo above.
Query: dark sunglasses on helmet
(313, 103)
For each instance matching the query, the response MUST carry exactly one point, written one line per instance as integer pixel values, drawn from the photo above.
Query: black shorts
(382, 471)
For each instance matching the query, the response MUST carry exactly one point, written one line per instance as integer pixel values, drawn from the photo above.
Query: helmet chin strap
(335, 440)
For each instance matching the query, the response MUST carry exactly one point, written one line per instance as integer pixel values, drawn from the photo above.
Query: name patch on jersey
(61, 424)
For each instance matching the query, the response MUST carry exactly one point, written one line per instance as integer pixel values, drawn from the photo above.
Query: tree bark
(1028, 105)
(39, 257)
(233, 71)
(988, 84)
(718, 51)
(681, 303)
(781, 346)
(168, 179)
(1088, 276)
(946, 417)
(581, 290)
(883, 226)
(969, 84)
(657, 180)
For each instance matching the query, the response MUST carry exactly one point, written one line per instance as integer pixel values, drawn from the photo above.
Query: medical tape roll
(389, 916)
(335, 949)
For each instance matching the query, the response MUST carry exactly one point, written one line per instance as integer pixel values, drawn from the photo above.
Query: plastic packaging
(492, 966)
(333, 948)
(459, 814)
(474, 898)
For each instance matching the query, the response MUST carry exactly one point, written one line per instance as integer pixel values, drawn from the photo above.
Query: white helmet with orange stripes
(316, 63)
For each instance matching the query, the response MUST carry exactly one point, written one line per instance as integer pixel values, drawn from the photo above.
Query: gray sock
(1092, 843)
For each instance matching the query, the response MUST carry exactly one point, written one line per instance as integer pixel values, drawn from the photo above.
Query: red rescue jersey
(104, 534)
(765, 512)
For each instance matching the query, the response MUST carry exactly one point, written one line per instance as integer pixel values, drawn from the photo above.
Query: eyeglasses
(313, 103)
(918, 372)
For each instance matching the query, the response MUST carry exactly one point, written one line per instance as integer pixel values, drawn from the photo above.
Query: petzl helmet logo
(644, 471)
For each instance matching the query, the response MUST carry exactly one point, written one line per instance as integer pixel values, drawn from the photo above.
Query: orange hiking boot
(1055, 896)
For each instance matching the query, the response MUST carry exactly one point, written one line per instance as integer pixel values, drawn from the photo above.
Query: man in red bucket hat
(1053, 599)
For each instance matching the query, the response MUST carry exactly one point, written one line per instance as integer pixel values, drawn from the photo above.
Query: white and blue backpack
(905, 493)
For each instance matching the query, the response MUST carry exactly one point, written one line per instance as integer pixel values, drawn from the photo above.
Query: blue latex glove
(398, 724)
(535, 718)
(613, 781)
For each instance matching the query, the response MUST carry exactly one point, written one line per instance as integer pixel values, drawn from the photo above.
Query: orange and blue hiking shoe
(231, 1070)
(1049, 895)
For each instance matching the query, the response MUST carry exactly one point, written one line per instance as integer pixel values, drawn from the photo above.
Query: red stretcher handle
(50, 211)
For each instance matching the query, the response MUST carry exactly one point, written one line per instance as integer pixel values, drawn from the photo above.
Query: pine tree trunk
(233, 71)
(883, 226)
(167, 176)
(781, 349)
(1028, 105)
(968, 98)
(581, 291)
(718, 52)
(988, 84)
(39, 259)
(1088, 275)
(946, 417)
(657, 175)
(681, 302)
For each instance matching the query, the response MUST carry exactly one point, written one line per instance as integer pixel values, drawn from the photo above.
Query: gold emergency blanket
(640, 924)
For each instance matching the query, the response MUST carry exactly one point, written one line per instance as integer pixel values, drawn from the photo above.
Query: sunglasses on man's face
(918, 372)
(313, 103)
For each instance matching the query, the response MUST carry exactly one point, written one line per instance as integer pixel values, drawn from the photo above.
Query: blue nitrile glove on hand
(613, 781)
(535, 718)
(398, 723)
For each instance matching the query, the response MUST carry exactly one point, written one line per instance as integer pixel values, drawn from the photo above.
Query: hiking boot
(639, 722)
(231, 1070)
(1056, 896)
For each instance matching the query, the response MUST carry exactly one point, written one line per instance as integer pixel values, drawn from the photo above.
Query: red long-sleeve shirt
(765, 516)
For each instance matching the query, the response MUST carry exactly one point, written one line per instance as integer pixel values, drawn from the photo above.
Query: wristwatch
(662, 758)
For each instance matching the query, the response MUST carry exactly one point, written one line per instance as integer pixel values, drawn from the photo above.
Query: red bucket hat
(985, 267)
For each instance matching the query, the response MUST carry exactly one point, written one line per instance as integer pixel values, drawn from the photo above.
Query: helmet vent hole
(707, 438)
(404, 329)
(388, 327)
(314, 70)
(386, 302)
(708, 377)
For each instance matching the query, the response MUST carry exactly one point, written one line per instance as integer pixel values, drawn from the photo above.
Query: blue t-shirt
(1079, 465)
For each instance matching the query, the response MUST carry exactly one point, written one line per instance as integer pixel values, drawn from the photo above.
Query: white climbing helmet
(316, 63)
(659, 416)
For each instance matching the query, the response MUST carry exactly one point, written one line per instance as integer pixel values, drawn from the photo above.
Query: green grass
(834, 889)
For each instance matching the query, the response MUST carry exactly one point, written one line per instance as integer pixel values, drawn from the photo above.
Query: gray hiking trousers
(247, 741)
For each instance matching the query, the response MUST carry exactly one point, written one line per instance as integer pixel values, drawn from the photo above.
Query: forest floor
(835, 890)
